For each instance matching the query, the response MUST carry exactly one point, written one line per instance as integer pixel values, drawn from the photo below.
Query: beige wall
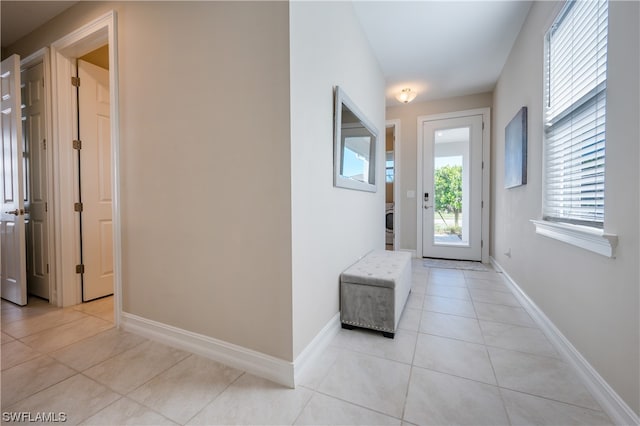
(408, 115)
(593, 300)
(211, 106)
(332, 227)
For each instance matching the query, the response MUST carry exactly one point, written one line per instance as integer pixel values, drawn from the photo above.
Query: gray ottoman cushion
(374, 290)
(379, 268)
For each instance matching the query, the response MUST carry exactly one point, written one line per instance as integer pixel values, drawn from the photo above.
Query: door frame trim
(101, 31)
(396, 181)
(486, 173)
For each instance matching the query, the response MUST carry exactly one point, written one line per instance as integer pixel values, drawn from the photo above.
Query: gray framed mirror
(354, 146)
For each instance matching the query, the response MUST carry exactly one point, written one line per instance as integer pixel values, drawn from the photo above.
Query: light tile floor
(466, 353)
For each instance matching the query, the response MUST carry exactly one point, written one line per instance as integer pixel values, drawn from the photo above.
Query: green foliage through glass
(448, 190)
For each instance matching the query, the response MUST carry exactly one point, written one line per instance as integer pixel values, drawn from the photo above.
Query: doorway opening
(94, 174)
(67, 128)
(392, 146)
(389, 195)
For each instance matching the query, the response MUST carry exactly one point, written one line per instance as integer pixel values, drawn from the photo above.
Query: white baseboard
(319, 343)
(615, 407)
(266, 366)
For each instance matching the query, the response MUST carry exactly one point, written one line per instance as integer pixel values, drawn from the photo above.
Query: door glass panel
(451, 187)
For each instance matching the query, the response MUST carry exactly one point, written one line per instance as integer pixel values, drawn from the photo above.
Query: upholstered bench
(374, 290)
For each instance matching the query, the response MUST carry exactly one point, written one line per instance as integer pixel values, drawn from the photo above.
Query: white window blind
(575, 114)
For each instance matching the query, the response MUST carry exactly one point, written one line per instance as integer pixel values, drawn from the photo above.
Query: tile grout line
(217, 396)
(63, 325)
(413, 359)
(355, 404)
(306, 404)
(546, 398)
(318, 391)
(126, 395)
(458, 377)
(25, 361)
(449, 374)
(99, 362)
(377, 356)
(485, 346)
(532, 394)
(493, 369)
(106, 406)
(47, 387)
(44, 329)
(189, 354)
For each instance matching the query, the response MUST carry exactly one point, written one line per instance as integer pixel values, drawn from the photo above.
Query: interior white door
(13, 273)
(95, 177)
(452, 188)
(35, 171)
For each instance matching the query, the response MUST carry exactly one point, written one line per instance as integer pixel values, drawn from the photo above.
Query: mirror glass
(354, 146)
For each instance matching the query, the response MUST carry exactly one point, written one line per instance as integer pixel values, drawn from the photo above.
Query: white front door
(12, 230)
(33, 120)
(95, 175)
(451, 195)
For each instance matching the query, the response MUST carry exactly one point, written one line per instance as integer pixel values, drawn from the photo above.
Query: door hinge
(75, 81)
(80, 269)
(482, 204)
(483, 165)
(482, 122)
(481, 243)
(44, 144)
(77, 144)
(47, 268)
(46, 206)
(77, 207)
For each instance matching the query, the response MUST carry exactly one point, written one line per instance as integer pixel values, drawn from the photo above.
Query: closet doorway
(94, 177)
(392, 206)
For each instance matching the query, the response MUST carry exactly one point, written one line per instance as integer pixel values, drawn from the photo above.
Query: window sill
(595, 240)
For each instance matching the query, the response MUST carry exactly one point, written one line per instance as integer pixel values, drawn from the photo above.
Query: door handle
(15, 212)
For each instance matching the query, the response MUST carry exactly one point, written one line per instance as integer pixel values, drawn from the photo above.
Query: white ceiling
(440, 49)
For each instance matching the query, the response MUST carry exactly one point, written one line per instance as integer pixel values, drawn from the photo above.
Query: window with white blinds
(575, 114)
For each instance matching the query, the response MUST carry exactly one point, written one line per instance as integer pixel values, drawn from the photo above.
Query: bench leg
(388, 335)
(348, 326)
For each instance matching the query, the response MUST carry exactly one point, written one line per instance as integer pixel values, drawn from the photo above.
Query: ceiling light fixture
(406, 96)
